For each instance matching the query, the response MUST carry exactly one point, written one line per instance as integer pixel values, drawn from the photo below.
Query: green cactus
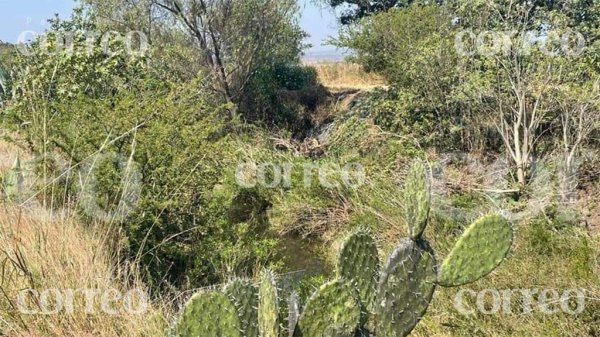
(391, 302)
(268, 306)
(358, 262)
(244, 296)
(482, 247)
(294, 313)
(405, 289)
(332, 311)
(417, 199)
(409, 279)
(209, 314)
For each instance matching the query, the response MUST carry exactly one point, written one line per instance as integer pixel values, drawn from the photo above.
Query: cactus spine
(332, 311)
(409, 279)
(405, 289)
(417, 199)
(358, 263)
(244, 296)
(209, 314)
(482, 247)
(268, 306)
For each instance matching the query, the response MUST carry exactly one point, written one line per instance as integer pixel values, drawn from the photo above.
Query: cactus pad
(405, 289)
(417, 199)
(483, 246)
(209, 314)
(332, 311)
(268, 306)
(244, 296)
(358, 263)
(294, 313)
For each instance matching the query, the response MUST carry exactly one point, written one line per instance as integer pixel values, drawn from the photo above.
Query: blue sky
(17, 16)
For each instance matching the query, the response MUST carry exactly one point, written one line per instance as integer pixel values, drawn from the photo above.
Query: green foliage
(5, 85)
(333, 310)
(354, 10)
(192, 222)
(414, 50)
(482, 247)
(7, 60)
(358, 263)
(294, 76)
(209, 314)
(244, 296)
(417, 199)
(554, 234)
(281, 92)
(405, 289)
(51, 76)
(268, 305)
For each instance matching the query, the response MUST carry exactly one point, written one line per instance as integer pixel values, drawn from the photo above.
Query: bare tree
(518, 75)
(521, 115)
(579, 117)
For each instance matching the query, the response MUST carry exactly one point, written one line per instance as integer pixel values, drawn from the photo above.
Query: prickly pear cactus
(244, 296)
(294, 313)
(209, 314)
(417, 199)
(405, 290)
(268, 306)
(358, 263)
(332, 311)
(482, 247)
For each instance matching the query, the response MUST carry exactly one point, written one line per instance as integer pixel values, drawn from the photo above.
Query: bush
(413, 48)
(154, 158)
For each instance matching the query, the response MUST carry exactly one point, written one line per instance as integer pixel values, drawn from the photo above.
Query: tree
(518, 70)
(579, 107)
(236, 38)
(238, 45)
(354, 10)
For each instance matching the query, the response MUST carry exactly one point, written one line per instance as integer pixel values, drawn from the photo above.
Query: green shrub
(413, 48)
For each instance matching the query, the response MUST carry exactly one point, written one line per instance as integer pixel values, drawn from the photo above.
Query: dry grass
(8, 155)
(43, 251)
(343, 75)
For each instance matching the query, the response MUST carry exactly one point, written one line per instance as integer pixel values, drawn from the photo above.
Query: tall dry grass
(41, 251)
(344, 75)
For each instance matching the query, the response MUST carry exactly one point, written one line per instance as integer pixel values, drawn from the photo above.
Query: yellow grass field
(344, 75)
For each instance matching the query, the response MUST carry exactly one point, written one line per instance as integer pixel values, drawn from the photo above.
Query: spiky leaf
(405, 289)
(482, 247)
(332, 311)
(417, 199)
(209, 314)
(244, 296)
(268, 306)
